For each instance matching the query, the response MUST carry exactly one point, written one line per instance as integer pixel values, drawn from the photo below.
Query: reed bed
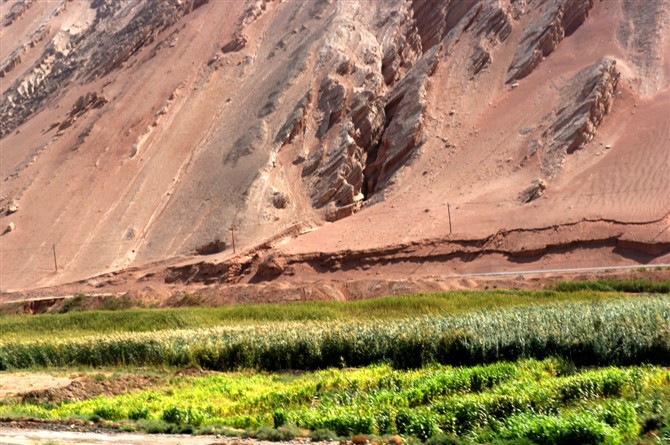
(619, 332)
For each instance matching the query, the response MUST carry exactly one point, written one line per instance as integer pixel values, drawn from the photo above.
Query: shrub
(322, 435)
(268, 433)
(384, 423)
(279, 418)
(349, 424)
(416, 424)
(138, 413)
(289, 431)
(630, 286)
(156, 426)
(578, 428)
(183, 416)
(444, 439)
(109, 412)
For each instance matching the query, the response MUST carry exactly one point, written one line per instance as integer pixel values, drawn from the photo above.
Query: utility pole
(53, 247)
(232, 229)
(449, 213)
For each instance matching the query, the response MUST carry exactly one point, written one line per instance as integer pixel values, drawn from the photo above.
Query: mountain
(334, 140)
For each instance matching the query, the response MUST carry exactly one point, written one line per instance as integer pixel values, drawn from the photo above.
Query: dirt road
(16, 436)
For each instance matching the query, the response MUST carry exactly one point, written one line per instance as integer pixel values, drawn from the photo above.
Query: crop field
(620, 332)
(545, 401)
(547, 368)
(72, 323)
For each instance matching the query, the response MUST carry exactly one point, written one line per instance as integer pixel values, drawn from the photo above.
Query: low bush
(138, 413)
(578, 428)
(183, 416)
(322, 435)
(109, 412)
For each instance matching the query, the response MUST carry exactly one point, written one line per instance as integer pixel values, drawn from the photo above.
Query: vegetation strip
(547, 401)
(599, 333)
(629, 286)
(77, 324)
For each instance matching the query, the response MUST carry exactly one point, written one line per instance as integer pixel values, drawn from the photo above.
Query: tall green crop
(608, 333)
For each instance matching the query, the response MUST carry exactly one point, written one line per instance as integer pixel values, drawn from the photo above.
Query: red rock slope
(341, 139)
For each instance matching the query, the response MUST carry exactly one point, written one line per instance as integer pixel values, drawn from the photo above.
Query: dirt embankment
(39, 388)
(159, 296)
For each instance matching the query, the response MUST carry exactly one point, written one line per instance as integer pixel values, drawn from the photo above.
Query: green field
(547, 401)
(550, 367)
(77, 324)
(614, 332)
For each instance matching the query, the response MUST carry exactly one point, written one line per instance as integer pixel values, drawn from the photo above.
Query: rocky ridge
(83, 54)
(587, 99)
(559, 20)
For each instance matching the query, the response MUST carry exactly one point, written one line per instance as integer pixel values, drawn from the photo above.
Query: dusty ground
(38, 387)
(26, 434)
(20, 383)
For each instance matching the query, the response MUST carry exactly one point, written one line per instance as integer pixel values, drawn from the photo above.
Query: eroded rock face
(271, 265)
(82, 105)
(587, 99)
(14, 59)
(371, 104)
(17, 10)
(370, 99)
(118, 31)
(560, 19)
(577, 126)
(328, 102)
(403, 129)
(366, 102)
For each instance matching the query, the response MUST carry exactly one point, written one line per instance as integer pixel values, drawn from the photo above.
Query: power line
(372, 212)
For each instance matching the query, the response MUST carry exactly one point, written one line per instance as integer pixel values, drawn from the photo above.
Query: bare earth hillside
(342, 140)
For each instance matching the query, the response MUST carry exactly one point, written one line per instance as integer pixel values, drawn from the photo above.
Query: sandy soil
(14, 435)
(20, 383)
(39, 387)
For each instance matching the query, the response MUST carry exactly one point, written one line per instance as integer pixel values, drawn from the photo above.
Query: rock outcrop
(403, 128)
(82, 105)
(119, 30)
(12, 207)
(587, 99)
(533, 192)
(16, 11)
(560, 19)
(236, 44)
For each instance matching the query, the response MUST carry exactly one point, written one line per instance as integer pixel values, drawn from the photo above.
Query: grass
(629, 286)
(548, 401)
(78, 324)
(620, 332)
